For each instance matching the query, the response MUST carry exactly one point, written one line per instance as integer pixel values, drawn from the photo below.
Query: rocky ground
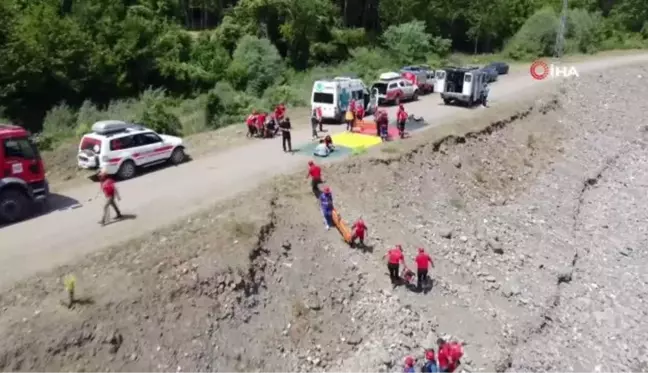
(534, 225)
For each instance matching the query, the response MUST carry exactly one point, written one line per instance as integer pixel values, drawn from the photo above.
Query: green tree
(408, 41)
(44, 61)
(256, 64)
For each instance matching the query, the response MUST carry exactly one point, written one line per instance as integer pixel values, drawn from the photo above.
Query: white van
(463, 86)
(334, 95)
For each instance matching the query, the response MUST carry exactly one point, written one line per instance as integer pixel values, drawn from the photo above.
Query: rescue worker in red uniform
(430, 365)
(383, 126)
(315, 174)
(251, 122)
(279, 112)
(359, 230)
(360, 112)
(423, 262)
(395, 257)
(401, 118)
(110, 193)
(449, 355)
(409, 365)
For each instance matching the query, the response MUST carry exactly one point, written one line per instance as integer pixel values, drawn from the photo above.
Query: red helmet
(409, 361)
(429, 354)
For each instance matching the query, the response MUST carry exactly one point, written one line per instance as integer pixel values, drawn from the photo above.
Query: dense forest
(65, 63)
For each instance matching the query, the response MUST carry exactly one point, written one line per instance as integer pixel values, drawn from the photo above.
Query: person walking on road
(110, 192)
(395, 257)
(315, 174)
(485, 95)
(423, 262)
(320, 118)
(314, 123)
(285, 135)
(401, 118)
(326, 203)
(349, 117)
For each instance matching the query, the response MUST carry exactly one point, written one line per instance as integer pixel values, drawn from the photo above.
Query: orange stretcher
(341, 226)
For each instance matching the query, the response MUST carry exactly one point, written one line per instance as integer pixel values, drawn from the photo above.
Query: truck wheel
(416, 95)
(446, 101)
(178, 156)
(14, 205)
(127, 170)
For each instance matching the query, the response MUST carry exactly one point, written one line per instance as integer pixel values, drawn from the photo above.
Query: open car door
(371, 101)
(439, 84)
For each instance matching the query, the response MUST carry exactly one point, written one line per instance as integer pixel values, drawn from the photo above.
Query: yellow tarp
(355, 140)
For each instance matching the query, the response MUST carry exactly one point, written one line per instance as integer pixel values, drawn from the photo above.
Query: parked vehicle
(431, 79)
(501, 67)
(417, 76)
(391, 88)
(462, 85)
(334, 95)
(491, 73)
(120, 148)
(22, 176)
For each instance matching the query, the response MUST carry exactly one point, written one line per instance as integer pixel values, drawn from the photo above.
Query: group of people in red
(358, 229)
(382, 122)
(263, 124)
(449, 353)
(446, 360)
(395, 257)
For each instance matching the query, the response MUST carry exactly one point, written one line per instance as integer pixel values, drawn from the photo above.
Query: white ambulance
(334, 95)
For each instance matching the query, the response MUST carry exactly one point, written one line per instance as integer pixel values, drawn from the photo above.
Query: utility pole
(562, 28)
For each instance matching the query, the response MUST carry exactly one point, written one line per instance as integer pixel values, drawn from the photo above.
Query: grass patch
(479, 176)
(299, 309)
(391, 149)
(457, 202)
(531, 141)
(359, 151)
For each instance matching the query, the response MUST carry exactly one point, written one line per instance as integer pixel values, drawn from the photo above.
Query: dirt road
(162, 197)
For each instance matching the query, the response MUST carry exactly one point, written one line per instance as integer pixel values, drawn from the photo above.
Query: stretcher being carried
(341, 226)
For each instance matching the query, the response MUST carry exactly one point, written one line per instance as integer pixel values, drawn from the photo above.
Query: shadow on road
(123, 217)
(141, 171)
(55, 202)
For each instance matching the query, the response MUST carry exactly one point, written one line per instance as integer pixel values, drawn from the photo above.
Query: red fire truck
(22, 174)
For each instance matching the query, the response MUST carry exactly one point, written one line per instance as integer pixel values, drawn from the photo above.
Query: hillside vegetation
(189, 66)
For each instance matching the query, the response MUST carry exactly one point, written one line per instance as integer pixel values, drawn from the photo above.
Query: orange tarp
(341, 226)
(364, 125)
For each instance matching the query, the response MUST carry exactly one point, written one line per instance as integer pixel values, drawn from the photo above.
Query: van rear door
(325, 97)
(439, 84)
(468, 84)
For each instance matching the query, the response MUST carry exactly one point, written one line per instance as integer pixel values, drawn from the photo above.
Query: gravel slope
(534, 222)
(161, 198)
